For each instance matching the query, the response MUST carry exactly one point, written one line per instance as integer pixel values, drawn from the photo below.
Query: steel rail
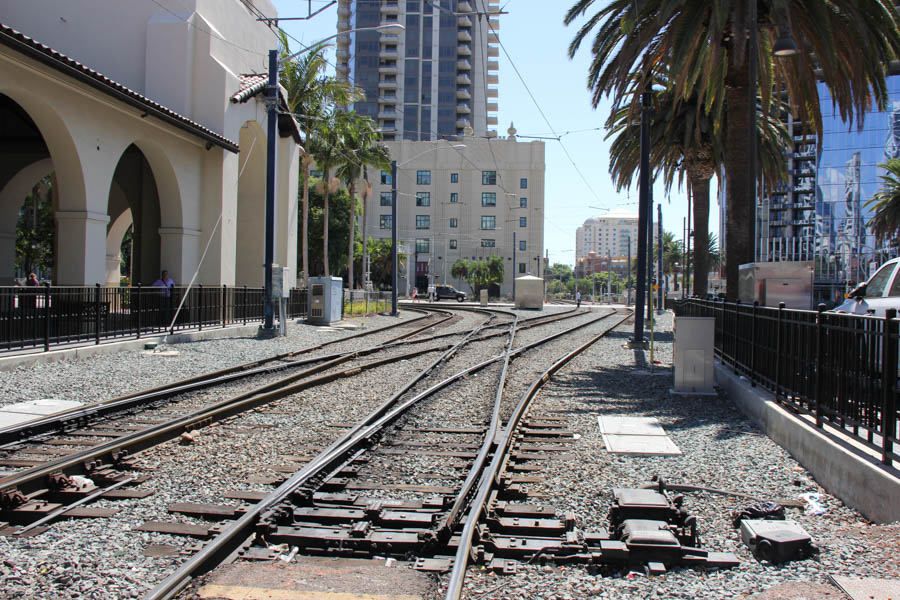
(489, 476)
(79, 415)
(329, 460)
(119, 448)
(235, 534)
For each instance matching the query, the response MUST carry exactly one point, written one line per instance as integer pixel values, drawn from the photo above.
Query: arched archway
(117, 229)
(251, 206)
(12, 195)
(134, 190)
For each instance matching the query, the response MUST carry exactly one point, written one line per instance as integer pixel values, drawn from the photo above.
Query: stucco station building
(145, 117)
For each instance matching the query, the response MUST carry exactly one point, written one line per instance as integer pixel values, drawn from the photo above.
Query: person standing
(578, 299)
(165, 299)
(29, 299)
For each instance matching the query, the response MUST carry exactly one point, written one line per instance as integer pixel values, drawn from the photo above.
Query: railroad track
(49, 492)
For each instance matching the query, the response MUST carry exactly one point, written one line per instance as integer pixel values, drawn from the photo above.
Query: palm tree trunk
(365, 256)
(700, 193)
(327, 272)
(740, 208)
(352, 235)
(305, 230)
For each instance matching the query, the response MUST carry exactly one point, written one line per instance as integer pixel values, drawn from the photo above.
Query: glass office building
(821, 214)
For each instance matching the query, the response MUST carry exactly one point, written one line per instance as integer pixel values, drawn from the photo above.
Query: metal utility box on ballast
(694, 355)
(325, 296)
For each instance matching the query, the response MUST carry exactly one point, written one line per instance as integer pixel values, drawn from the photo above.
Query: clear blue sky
(536, 42)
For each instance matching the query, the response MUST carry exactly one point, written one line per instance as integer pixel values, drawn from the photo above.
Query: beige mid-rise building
(485, 199)
(609, 235)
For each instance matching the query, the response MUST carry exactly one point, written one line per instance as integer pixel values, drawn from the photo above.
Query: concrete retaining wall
(853, 474)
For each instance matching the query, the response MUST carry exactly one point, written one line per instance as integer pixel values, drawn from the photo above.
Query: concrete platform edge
(846, 472)
(11, 362)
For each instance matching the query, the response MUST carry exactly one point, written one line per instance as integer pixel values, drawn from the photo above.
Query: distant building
(609, 235)
(594, 263)
(433, 80)
(486, 199)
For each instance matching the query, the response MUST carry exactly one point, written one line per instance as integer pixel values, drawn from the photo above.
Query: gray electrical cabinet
(325, 297)
(694, 355)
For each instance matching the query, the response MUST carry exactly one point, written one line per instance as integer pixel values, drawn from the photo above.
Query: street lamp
(271, 159)
(394, 261)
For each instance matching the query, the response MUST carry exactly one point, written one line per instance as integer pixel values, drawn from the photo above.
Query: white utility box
(325, 297)
(484, 297)
(694, 355)
(529, 292)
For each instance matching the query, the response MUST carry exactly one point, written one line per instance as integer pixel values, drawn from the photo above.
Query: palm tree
(460, 269)
(885, 222)
(310, 96)
(360, 149)
(684, 141)
(847, 44)
(327, 146)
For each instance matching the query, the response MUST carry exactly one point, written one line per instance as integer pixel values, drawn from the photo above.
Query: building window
(523, 245)
(488, 199)
(453, 244)
(423, 245)
(453, 223)
(385, 178)
(523, 183)
(523, 202)
(454, 177)
(423, 177)
(454, 197)
(489, 178)
(384, 221)
(423, 198)
(488, 243)
(523, 221)
(387, 198)
(315, 173)
(423, 222)
(489, 222)
(521, 267)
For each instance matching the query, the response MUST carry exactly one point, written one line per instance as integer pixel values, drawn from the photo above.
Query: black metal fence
(839, 368)
(35, 317)
(362, 302)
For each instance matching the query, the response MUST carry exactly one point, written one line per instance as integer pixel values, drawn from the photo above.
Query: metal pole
(271, 149)
(751, 124)
(659, 257)
(687, 256)
(650, 253)
(644, 187)
(515, 267)
(608, 278)
(628, 280)
(683, 255)
(394, 277)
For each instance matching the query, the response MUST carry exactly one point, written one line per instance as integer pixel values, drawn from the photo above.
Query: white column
(179, 252)
(82, 247)
(287, 209)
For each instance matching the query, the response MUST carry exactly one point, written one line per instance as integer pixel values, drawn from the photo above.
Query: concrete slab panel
(868, 588)
(8, 419)
(318, 578)
(47, 406)
(630, 425)
(640, 444)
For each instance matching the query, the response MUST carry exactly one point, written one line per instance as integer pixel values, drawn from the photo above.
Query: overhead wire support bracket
(274, 20)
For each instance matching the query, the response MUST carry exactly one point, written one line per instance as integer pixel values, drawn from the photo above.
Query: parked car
(879, 293)
(448, 291)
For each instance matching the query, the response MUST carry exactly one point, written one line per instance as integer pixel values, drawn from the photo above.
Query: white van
(879, 293)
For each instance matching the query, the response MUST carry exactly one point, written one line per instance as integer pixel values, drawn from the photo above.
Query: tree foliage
(35, 231)
(885, 221)
(479, 274)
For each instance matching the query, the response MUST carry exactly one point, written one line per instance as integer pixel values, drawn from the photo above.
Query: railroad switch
(777, 541)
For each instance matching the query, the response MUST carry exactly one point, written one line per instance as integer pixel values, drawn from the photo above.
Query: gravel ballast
(721, 449)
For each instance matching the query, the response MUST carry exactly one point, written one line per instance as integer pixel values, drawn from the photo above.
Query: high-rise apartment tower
(436, 79)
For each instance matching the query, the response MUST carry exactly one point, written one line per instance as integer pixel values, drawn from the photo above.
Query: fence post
(820, 320)
(753, 344)
(97, 313)
(138, 308)
(889, 383)
(244, 305)
(46, 317)
(200, 305)
(734, 336)
(778, 351)
(224, 305)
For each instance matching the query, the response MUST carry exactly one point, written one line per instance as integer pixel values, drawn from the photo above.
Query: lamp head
(785, 45)
(391, 28)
